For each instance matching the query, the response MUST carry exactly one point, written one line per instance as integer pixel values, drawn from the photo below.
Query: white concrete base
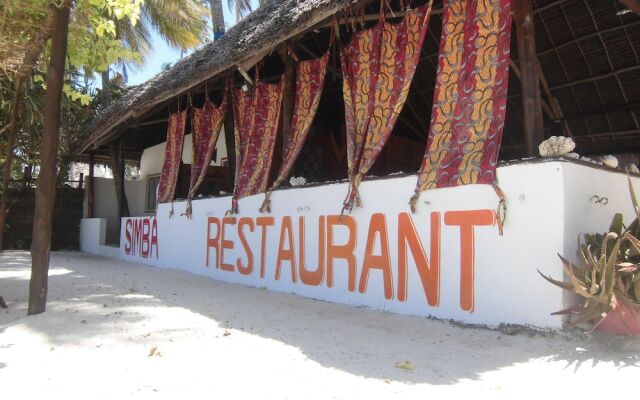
(483, 278)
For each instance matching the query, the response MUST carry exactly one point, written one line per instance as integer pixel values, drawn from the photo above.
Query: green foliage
(609, 274)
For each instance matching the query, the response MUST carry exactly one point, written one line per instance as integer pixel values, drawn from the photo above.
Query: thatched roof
(589, 53)
(244, 44)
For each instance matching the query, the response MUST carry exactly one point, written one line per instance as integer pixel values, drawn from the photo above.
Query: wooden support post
(80, 180)
(46, 187)
(26, 176)
(288, 97)
(230, 141)
(90, 189)
(531, 101)
(123, 206)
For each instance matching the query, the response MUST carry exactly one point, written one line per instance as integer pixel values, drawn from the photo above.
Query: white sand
(224, 341)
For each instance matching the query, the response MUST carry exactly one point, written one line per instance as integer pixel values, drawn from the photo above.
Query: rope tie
(501, 211)
(266, 204)
(413, 201)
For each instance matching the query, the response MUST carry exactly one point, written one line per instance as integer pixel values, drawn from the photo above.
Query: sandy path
(219, 340)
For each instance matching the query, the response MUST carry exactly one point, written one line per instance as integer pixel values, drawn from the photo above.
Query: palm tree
(242, 8)
(181, 23)
(217, 18)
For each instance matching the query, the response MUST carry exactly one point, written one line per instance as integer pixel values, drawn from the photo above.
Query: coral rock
(631, 167)
(610, 161)
(556, 146)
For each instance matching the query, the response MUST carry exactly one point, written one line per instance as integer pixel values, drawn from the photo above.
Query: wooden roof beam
(530, 80)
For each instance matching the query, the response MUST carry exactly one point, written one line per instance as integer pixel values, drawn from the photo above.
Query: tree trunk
(46, 187)
(217, 18)
(8, 162)
(105, 94)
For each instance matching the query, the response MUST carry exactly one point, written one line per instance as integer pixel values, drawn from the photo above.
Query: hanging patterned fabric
(256, 116)
(172, 157)
(469, 104)
(206, 124)
(377, 66)
(310, 76)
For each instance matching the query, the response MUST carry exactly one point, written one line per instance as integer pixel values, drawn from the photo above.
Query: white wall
(548, 204)
(105, 204)
(153, 157)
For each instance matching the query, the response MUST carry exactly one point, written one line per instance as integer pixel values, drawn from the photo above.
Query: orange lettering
(377, 226)
(466, 220)
(312, 278)
(429, 275)
(344, 251)
(245, 269)
(263, 223)
(283, 254)
(213, 242)
(226, 244)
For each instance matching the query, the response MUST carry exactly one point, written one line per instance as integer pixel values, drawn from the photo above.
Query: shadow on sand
(359, 341)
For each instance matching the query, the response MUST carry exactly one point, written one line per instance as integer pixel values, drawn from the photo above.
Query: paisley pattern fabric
(310, 76)
(469, 104)
(256, 115)
(172, 157)
(378, 66)
(206, 124)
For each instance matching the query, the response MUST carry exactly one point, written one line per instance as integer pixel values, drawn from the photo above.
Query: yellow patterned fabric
(469, 105)
(172, 157)
(310, 76)
(378, 66)
(256, 116)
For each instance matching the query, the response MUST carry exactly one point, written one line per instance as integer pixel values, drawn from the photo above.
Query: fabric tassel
(188, 212)
(413, 201)
(353, 198)
(266, 204)
(501, 211)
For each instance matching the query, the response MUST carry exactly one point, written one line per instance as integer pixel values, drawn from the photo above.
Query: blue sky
(163, 53)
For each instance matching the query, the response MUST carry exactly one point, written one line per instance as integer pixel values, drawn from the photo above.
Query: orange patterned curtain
(256, 117)
(469, 104)
(377, 66)
(206, 124)
(310, 76)
(172, 157)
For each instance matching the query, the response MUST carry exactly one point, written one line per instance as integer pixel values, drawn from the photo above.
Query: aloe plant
(609, 274)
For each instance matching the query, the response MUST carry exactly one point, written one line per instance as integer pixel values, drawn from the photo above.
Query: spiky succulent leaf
(579, 285)
(634, 198)
(561, 284)
(617, 224)
(608, 274)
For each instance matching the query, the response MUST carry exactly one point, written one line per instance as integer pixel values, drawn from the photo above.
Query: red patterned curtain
(377, 66)
(470, 97)
(310, 76)
(172, 157)
(206, 124)
(256, 116)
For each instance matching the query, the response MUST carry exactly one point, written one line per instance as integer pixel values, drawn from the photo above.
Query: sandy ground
(120, 330)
